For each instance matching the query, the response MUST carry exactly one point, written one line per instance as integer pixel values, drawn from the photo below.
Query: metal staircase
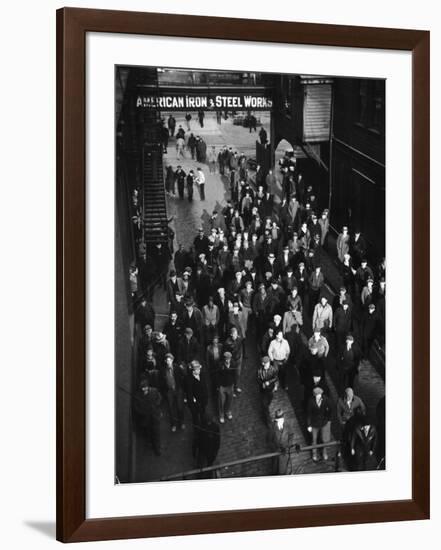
(153, 190)
(155, 226)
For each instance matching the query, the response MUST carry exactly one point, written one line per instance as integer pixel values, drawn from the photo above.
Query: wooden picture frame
(72, 26)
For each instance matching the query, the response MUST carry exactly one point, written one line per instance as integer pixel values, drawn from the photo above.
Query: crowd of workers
(256, 275)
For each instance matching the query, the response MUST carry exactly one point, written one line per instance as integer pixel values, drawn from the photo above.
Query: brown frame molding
(72, 25)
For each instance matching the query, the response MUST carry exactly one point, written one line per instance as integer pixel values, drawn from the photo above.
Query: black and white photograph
(250, 274)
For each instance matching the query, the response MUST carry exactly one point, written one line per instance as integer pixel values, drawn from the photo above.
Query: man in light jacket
(278, 352)
(322, 316)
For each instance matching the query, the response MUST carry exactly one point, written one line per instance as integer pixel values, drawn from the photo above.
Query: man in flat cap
(173, 378)
(189, 348)
(322, 316)
(192, 318)
(225, 378)
(319, 421)
(318, 341)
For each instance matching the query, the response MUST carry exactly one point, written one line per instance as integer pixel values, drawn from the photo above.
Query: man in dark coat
(188, 348)
(319, 420)
(342, 324)
(192, 146)
(172, 386)
(197, 392)
(180, 260)
(146, 405)
(192, 318)
(267, 379)
(349, 363)
(263, 136)
(180, 133)
(187, 120)
(164, 138)
(221, 301)
(357, 247)
(145, 314)
(200, 243)
(363, 443)
(173, 286)
(180, 180)
(190, 182)
(234, 344)
(369, 329)
(363, 273)
(171, 123)
(225, 377)
(282, 435)
(173, 332)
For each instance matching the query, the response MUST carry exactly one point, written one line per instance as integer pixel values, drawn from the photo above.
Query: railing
(296, 449)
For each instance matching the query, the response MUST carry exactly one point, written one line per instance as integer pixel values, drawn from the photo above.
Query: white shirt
(200, 177)
(279, 351)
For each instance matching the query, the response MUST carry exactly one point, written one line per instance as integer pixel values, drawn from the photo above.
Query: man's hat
(195, 365)
(144, 383)
(169, 356)
(227, 355)
(159, 337)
